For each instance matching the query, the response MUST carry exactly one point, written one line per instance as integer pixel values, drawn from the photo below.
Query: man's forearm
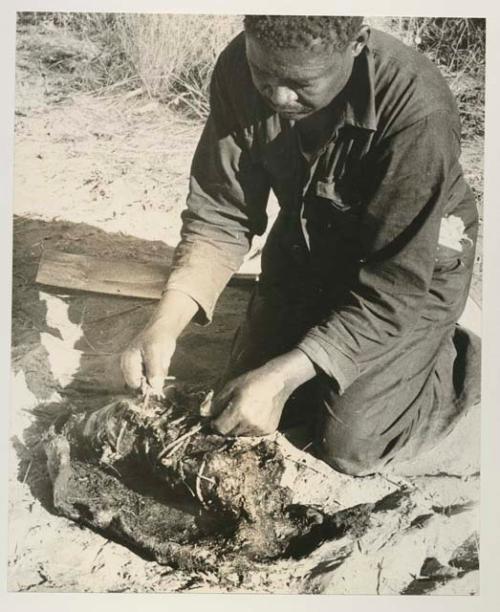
(293, 368)
(175, 310)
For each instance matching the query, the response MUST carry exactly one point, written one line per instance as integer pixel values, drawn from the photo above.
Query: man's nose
(282, 96)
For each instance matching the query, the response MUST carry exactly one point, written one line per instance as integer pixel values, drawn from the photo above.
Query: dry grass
(457, 43)
(170, 57)
(174, 55)
(74, 51)
(458, 47)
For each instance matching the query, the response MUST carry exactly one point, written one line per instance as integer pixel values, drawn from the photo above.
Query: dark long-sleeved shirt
(359, 236)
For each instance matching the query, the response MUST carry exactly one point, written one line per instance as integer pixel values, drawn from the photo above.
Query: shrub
(457, 44)
(173, 55)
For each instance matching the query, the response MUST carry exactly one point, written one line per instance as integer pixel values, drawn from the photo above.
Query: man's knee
(347, 436)
(345, 450)
(352, 466)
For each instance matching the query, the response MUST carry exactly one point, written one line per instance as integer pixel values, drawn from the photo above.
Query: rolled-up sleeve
(226, 204)
(404, 199)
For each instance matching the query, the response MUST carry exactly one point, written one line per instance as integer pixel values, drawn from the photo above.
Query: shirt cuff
(329, 359)
(199, 273)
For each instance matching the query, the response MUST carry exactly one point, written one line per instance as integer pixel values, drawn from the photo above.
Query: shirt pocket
(333, 220)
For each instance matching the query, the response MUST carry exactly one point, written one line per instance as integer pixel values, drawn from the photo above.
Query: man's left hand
(251, 404)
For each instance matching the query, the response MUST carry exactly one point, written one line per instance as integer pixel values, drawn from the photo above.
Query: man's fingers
(156, 384)
(155, 366)
(215, 407)
(242, 429)
(220, 401)
(206, 409)
(227, 421)
(131, 365)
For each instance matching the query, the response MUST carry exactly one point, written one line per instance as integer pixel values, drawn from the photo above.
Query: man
(367, 267)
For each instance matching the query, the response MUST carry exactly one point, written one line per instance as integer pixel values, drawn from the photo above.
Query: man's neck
(316, 131)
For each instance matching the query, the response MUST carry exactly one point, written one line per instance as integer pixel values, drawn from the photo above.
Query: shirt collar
(359, 110)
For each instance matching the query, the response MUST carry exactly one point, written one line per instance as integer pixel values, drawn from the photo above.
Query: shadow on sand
(66, 344)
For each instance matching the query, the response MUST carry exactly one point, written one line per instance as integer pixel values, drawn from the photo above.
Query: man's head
(300, 64)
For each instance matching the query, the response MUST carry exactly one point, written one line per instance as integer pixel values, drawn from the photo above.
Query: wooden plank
(112, 277)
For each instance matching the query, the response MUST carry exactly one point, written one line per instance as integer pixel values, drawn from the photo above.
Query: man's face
(297, 82)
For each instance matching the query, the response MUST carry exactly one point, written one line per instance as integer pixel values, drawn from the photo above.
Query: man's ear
(359, 43)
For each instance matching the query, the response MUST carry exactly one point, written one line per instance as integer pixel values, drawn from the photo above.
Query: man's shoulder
(232, 59)
(407, 82)
(233, 77)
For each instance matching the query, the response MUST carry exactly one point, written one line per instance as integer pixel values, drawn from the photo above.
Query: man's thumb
(216, 403)
(207, 405)
(131, 367)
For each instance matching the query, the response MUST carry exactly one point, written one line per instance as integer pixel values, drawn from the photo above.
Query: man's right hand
(148, 355)
(150, 352)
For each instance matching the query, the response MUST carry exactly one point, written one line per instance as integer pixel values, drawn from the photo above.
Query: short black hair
(300, 31)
